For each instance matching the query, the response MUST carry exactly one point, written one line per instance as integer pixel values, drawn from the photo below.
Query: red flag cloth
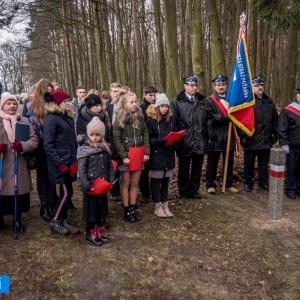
(115, 164)
(100, 187)
(136, 157)
(173, 136)
(73, 169)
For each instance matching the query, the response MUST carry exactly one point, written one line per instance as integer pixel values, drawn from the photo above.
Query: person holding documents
(190, 112)
(131, 140)
(160, 123)
(9, 116)
(218, 122)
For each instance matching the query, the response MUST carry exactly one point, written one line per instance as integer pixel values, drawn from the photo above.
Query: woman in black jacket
(160, 123)
(94, 161)
(60, 146)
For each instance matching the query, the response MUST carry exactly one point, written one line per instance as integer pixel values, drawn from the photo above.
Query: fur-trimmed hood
(51, 107)
(151, 112)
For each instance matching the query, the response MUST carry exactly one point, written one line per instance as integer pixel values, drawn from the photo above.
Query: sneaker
(232, 189)
(66, 223)
(211, 190)
(57, 226)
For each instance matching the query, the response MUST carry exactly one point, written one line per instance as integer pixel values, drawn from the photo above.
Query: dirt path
(225, 247)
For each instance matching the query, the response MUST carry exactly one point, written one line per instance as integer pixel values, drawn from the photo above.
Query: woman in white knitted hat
(160, 123)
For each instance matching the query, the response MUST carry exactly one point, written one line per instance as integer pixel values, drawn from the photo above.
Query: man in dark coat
(265, 135)
(218, 122)
(190, 112)
(289, 140)
(148, 99)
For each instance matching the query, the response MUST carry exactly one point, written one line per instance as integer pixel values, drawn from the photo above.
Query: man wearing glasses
(190, 111)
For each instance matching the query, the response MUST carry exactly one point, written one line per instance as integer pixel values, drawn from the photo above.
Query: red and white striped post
(277, 173)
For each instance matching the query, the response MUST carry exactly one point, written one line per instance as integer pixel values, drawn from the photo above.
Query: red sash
(293, 109)
(225, 113)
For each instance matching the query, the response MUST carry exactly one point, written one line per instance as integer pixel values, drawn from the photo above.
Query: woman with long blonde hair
(129, 130)
(36, 113)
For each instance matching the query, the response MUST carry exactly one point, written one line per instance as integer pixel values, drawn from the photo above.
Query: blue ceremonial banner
(4, 284)
(240, 95)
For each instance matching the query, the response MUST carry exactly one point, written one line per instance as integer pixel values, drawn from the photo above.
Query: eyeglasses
(66, 101)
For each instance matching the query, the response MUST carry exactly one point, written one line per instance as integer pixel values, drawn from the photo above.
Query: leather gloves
(3, 147)
(225, 119)
(17, 146)
(160, 142)
(63, 168)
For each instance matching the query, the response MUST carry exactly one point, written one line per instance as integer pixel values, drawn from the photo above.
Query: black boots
(128, 217)
(47, 211)
(130, 214)
(58, 227)
(19, 227)
(92, 237)
(132, 208)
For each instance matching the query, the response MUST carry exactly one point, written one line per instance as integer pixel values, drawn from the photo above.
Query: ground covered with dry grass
(225, 247)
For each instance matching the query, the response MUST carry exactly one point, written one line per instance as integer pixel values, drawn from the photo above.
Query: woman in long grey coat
(8, 117)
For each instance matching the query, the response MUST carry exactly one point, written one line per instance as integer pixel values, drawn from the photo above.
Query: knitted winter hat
(92, 100)
(161, 99)
(59, 96)
(95, 126)
(5, 97)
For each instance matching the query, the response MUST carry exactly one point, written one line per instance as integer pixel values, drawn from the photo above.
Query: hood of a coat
(54, 108)
(151, 112)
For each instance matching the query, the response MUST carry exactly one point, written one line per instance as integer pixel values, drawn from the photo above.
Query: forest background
(148, 42)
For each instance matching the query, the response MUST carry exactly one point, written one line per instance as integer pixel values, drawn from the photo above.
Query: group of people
(96, 129)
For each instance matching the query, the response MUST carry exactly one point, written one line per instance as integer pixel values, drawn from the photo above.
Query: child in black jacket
(94, 160)
(160, 123)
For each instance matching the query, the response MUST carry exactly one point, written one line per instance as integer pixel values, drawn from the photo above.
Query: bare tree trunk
(162, 80)
(217, 58)
(173, 75)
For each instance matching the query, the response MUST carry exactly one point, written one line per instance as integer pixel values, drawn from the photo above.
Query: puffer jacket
(218, 127)
(289, 128)
(265, 126)
(95, 165)
(127, 137)
(162, 157)
(59, 142)
(192, 117)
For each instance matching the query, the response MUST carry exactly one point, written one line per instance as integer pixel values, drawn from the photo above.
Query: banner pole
(226, 157)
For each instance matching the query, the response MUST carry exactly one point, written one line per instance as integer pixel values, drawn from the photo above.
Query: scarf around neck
(8, 122)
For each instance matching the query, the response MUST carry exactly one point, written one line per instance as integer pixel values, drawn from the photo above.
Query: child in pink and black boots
(94, 160)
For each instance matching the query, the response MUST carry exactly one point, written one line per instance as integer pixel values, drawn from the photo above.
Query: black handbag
(32, 161)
